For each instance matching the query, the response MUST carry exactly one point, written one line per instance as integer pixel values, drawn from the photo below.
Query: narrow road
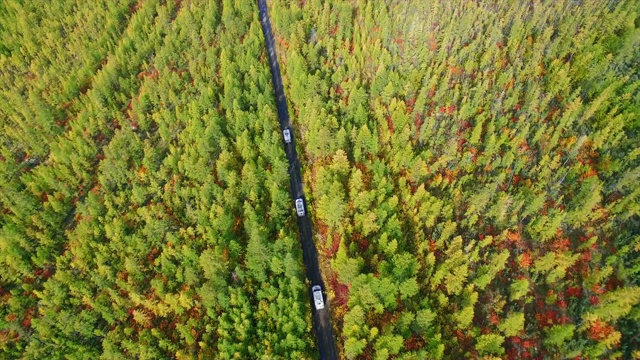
(321, 318)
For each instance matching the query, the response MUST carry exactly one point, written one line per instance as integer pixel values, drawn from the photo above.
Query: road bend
(321, 318)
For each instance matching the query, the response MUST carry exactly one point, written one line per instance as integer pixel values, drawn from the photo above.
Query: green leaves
(355, 332)
(490, 344)
(518, 289)
(472, 168)
(557, 335)
(512, 325)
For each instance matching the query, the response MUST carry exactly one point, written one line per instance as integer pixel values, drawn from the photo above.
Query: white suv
(317, 297)
(300, 207)
(287, 135)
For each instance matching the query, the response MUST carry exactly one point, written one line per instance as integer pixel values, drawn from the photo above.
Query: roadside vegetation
(144, 196)
(474, 169)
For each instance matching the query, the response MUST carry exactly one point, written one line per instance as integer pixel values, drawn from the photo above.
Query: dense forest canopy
(471, 167)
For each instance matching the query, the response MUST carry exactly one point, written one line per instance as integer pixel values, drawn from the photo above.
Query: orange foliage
(562, 304)
(599, 330)
(414, 343)
(588, 174)
(454, 71)
(432, 43)
(26, 322)
(525, 261)
(495, 320)
(150, 74)
(598, 289)
(561, 245)
(513, 236)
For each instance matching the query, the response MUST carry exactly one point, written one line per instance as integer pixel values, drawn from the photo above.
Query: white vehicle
(287, 135)
(317, 297)
(300, 207)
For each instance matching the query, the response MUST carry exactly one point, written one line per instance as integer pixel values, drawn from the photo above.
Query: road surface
(321, 318)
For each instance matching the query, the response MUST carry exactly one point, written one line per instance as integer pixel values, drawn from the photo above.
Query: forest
(471, 169)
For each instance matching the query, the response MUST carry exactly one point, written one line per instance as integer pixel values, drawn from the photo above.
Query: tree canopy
(471, 170)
